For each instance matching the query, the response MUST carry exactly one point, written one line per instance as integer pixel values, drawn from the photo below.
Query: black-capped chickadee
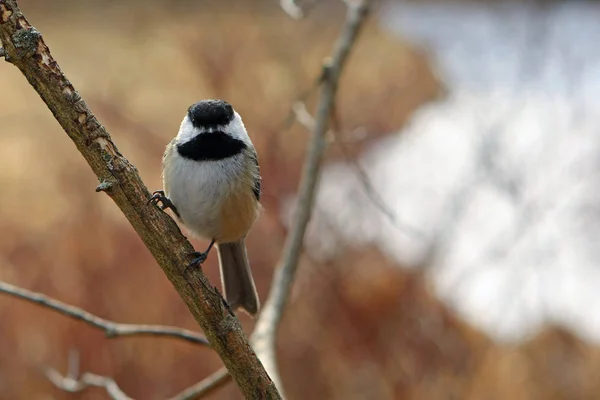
(211, 181)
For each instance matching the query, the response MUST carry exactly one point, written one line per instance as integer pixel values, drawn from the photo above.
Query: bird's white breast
(200, 190)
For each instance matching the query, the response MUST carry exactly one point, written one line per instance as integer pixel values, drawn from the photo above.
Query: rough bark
(24, 47)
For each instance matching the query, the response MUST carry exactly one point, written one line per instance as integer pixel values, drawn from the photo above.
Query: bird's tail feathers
(236, 277)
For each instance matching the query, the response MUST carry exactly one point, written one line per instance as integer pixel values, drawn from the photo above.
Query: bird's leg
(200, 257)
(159, 197)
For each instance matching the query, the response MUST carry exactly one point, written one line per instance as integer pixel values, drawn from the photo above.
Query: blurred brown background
(358, 327)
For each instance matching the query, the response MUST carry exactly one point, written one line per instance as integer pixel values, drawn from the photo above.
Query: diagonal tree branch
(110, 328)
(265, 332)
(264, 336)
(24, 47)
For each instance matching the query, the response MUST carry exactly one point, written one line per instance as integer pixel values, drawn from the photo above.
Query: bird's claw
(159, 197)
(197, 261)
(199, 258)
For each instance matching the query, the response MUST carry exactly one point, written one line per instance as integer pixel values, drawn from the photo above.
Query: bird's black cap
(210, 113)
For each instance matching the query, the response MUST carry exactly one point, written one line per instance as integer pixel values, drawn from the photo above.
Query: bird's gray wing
(257, 178)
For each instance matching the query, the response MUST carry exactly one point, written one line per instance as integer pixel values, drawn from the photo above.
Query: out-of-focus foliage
(357, 328)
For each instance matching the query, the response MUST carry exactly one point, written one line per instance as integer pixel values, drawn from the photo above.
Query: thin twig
(292, 9)
(295, 10)
(86, 380)
(265, 332)
(304, 117)
(73, 383)
(300, 113)
(110, 328)
(26, 49)
(205, 386)
(370, 190)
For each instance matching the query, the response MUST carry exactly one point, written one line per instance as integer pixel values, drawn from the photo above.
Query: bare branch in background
(297, 9)
(265, 332)
(292, 9)
(86, 380)
(73, 383)
(110, 328)
(304, 117)
(25, 48)
(205, 386)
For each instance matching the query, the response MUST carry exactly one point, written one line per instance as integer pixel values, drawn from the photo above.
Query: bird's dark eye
(210, 113)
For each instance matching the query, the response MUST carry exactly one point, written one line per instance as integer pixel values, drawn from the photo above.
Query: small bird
(211, 182)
